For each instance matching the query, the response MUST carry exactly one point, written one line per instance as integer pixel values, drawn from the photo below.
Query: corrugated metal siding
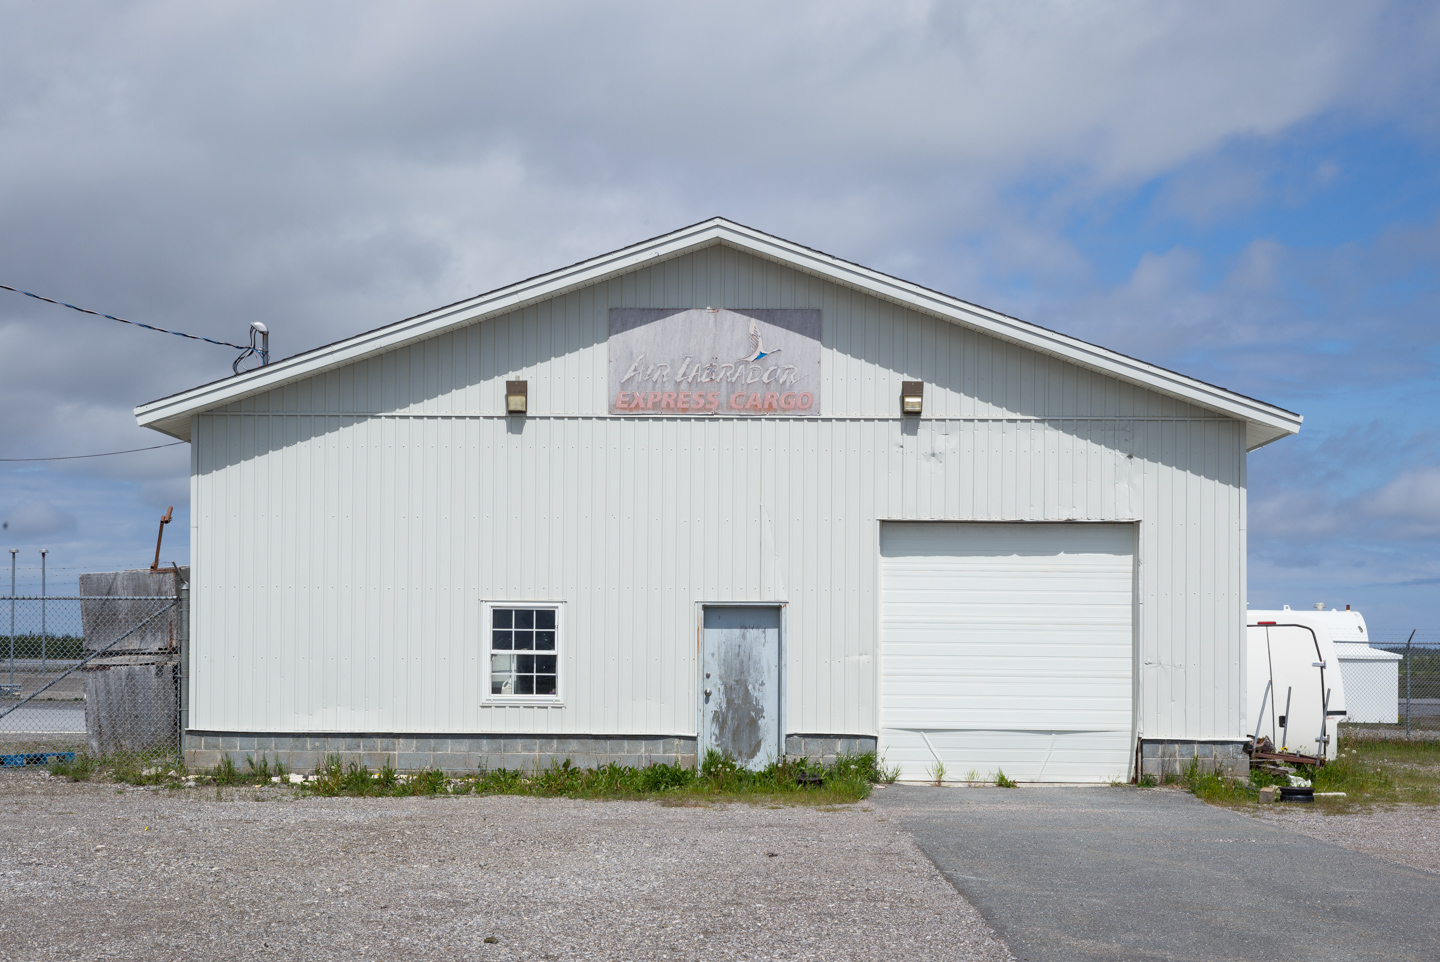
(347, 527)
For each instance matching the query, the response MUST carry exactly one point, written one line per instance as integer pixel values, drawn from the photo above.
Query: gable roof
(171, 415)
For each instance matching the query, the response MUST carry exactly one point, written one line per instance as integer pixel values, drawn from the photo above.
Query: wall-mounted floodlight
(912, 395)
(516, 396)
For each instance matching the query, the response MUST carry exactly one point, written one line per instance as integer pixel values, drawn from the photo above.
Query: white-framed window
(524, 642)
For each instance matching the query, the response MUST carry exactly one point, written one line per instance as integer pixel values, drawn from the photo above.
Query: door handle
(707, 693)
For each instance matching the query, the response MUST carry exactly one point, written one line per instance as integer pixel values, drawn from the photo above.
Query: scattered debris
(1264, 750)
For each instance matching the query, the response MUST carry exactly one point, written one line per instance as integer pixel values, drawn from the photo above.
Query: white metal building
(713, 525)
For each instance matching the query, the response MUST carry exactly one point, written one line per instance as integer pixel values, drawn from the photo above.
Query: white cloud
(1406, 508)
(1412, 499)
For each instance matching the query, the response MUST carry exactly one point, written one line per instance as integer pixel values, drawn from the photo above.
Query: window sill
(522, 701)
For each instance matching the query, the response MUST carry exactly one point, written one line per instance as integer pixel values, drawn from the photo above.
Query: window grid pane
(528, 630)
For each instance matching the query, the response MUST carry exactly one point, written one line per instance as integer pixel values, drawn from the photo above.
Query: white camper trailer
(1294, 692)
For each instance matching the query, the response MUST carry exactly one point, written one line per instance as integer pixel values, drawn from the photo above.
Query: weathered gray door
(740, 684)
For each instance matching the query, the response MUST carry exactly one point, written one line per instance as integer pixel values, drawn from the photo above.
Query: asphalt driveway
(1122, 873)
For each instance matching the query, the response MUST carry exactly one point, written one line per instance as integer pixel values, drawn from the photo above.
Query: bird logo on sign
(757, 347)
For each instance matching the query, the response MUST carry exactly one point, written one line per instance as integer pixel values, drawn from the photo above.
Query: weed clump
(1212, 785)
(1366, 771)
(78, 769)
(261, 771)
(718, 778)
(226, 773)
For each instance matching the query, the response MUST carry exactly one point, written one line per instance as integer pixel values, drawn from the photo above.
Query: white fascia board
(1267, 423)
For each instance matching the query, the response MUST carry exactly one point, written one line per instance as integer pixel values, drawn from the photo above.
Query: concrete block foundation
(452, 753)
(469, 753)
(1172, 758)
(825, 748)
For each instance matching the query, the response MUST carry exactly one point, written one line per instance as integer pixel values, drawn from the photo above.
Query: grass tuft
(261, 771)
(1369, 772)
(1001, 781)
(226, 773)
(718, 779)
(1216, 787)
(79, 769)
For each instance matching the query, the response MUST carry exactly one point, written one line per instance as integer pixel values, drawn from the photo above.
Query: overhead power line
(103, 454)
(148, 327)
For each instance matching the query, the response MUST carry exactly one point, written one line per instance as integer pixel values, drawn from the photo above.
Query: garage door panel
(1029, 756)
(982, 719)
(939, 714)
(1007, 594)
(1103, 603)
(981, 687)
(1007, 645)
(920, 622)
(1039, 655)
(1095, 661)
(987, 670)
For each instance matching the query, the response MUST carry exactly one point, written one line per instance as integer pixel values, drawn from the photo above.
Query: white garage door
(1007, 647)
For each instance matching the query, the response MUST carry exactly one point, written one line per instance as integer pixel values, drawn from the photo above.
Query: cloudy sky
(1248, 193)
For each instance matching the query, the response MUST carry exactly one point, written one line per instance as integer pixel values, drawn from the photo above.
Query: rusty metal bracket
(160, 536)
(1294, 758)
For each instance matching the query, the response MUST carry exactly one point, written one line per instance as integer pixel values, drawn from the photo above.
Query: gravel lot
(1405, 834)
(100, 871)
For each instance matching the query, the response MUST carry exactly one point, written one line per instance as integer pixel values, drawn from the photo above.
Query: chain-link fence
(1392, 684)
(99, 675)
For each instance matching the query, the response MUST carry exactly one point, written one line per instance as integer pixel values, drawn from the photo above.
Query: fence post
(1407, 681)
(12, 616)
(44, 667)
(182, 704)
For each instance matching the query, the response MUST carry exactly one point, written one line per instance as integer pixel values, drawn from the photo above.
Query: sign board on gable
(702, 361)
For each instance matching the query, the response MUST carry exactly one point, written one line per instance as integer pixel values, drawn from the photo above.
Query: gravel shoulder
(115, 872)
(1404, 834)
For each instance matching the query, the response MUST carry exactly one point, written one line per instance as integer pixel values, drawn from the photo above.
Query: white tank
(1346, 626)
(1371, 674)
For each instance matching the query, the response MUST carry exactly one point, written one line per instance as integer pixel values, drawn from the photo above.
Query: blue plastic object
(35, 758)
